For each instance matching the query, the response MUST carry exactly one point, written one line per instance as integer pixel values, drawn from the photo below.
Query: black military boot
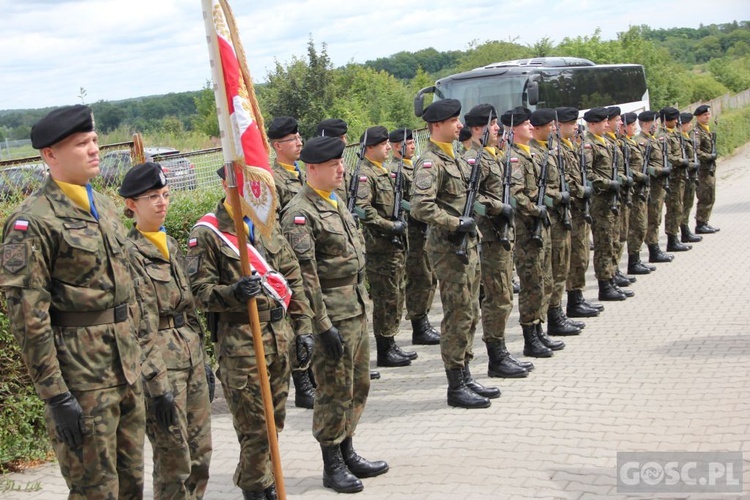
(608, 292)
(271, 493)
(304, 392)
(336, 475)
(656, 255)
(359, 466)
(407, 354)
(387, 354)
(253, 495)
(374, 375)
(674, 244)
(687, 236)
(577, 307)
(423, 333)
(532, 346)
(487, 392)
(627, 293)
(635, 266)
(557, 325)
(516, 286)
(459, 395)
(500, 364)
(705, 228)
(631, 279)
(620, 279)
(555, 345)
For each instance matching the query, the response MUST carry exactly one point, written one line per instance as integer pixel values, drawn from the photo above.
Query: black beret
(628, 118)
(61, 123)
(595, 115)
(141, 178)
(686, 117)
(702, 109)
(464, 134)
(515, 116)
(332, 127)
(542, 117)
(320, 149)
(375, 135)
(479, 115)
(669, 113)
(398, 135)
(441, 110)
(613, 112)
(647, 116)
(567, 114)
(282, 126)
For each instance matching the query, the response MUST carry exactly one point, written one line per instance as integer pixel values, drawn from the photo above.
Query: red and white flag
(243, 139)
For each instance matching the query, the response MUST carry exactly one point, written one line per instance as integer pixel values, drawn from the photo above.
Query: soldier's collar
(446, 147)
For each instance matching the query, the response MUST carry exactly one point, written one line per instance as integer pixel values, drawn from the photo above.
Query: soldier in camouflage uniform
(495, 256)
(438, 198)
(604, 202)
(73, 309)
(638, 212)
(283, 135)
(421, 280)
(385, 243)
(677, 179)
(221, 289)
(182, 451)
(657, 172)
(580, 194)
(330, 250)
(706, 190)
(687, 144)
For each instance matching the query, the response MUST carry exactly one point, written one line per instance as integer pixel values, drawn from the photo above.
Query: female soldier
(181, 440)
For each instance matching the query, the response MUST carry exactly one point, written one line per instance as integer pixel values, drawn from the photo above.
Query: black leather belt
(171, 321)
(117, 314)
(339, 282)
(265, 316)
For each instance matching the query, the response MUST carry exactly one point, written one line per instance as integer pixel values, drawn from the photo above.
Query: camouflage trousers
(603, 228)
(182, 455)
(497, 275)
(459, 295)
(343, 384)
(580, 251)
(621, 234)
(421, 280)
(534, 269)
(705, 193)
(241, 385)
(674, 202)
(655, 204)
(637, 223)
(560, 258)
(385, 274)
(688, 199)
(109, 464)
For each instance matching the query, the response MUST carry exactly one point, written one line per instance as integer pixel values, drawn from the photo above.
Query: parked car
(180, 172)
(21, 180)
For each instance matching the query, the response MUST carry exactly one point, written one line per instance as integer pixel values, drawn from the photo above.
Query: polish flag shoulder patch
(393, 175)
(472, 161)
(192, 242)
(362, 178)
(514, 159)
(21, 225)
(300, 220)
(587, 146)
(427, 164)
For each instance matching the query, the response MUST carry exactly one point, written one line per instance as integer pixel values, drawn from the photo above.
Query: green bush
(732, 131)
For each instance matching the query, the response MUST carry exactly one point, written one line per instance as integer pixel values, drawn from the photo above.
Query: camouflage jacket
(674, 152)
(375, 196)
(164, 292)
(655, 158)
(57, 257)
(287, 184)
(331, 254)
(214, 267)
(524, 187)
(705, 144)
(438, 197)
(635, 153)
(573, 174)
(538, 152)
(599, 162)
(490, 191)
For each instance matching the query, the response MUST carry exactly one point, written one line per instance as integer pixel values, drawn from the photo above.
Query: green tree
(492, 52)
(206, 120)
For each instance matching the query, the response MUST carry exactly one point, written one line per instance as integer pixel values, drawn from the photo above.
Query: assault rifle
(646, 160)
(471, 196)
(615, 202)
(683, 153)
(693, 170)
(665, 158)
(354, 181)
(505, 222)
(626, 160)
(398, 193)
(712, 168)
(561, 172)
(536, 237)
(584, 174)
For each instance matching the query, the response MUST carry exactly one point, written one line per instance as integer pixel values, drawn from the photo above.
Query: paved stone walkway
(668, 370)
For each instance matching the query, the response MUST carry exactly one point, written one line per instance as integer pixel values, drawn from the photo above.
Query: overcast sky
(118, 49)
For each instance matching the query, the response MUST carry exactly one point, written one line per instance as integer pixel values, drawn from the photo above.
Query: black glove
(466, 224)
(247, 287)
(542, 212)
(666, 171)
(684, 162)
(564, 198)
(211, 381)
(693, 166)
(587, 192)
(614, 186)
(507, 211)
(647, 180)
(68, 417)
(399, 227)
(333, 344)
(304, 345)
(712, 157)
(164, 410)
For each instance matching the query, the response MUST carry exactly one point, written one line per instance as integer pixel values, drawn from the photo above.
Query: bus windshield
(502, 91)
